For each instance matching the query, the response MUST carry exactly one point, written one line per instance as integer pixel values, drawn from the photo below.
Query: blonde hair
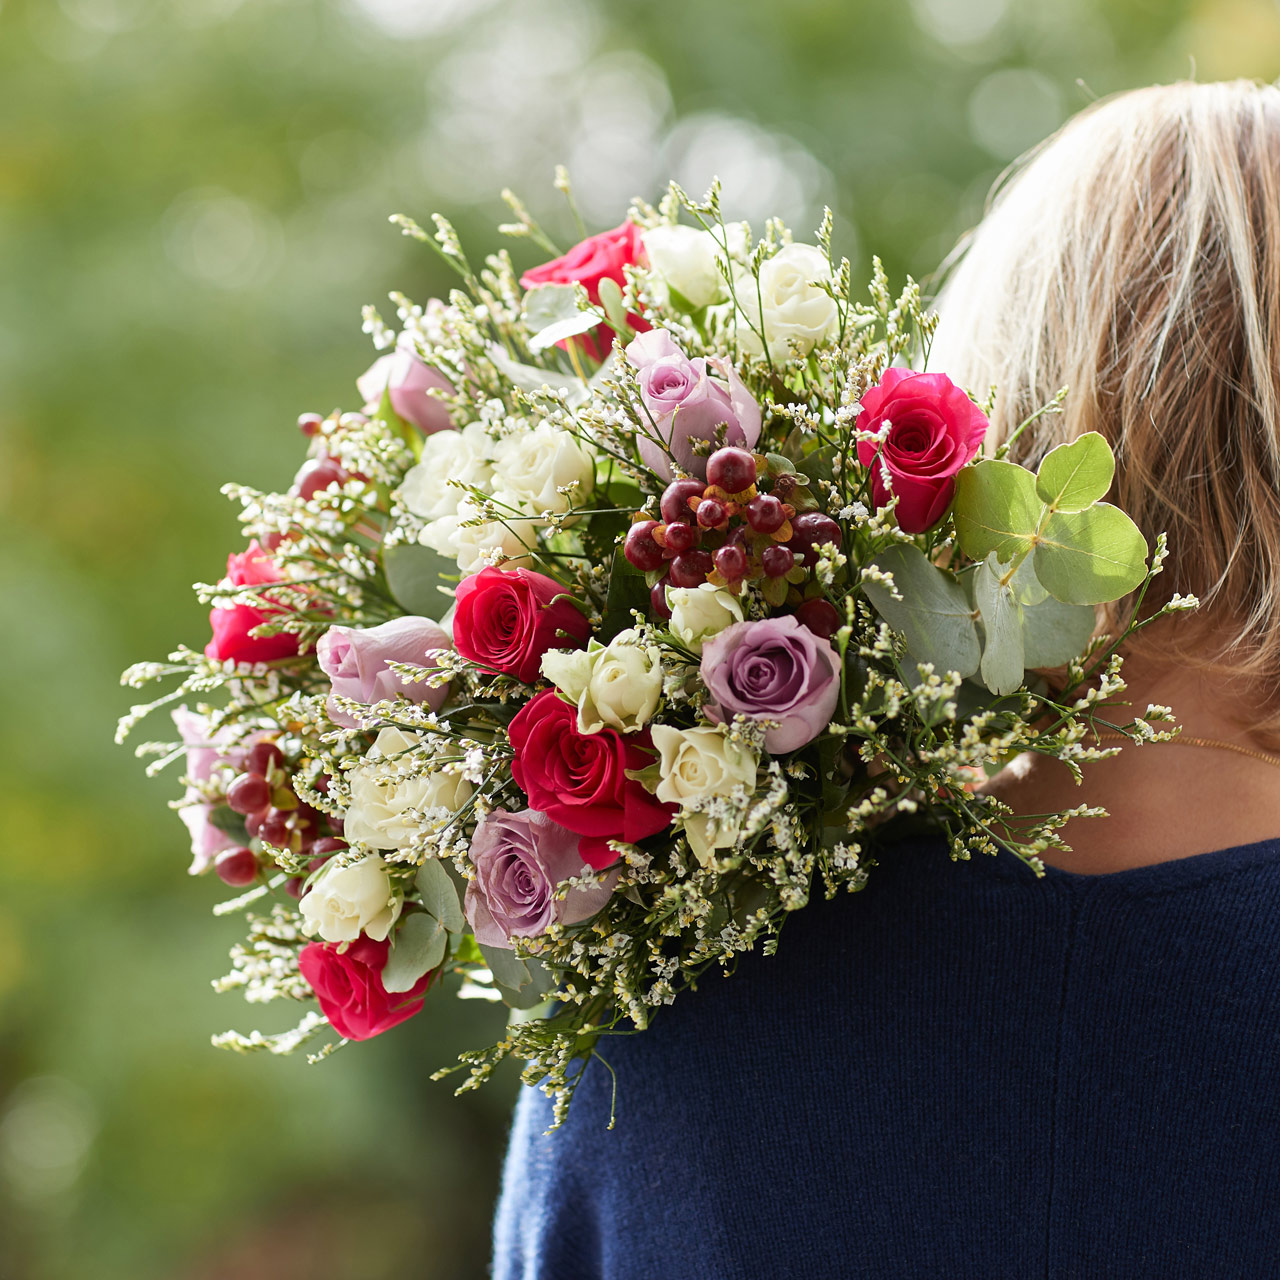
(1134, 257)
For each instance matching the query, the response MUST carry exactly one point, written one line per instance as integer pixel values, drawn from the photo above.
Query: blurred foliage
(193, 204)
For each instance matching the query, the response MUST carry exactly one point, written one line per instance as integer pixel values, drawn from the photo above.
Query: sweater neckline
(1157, 876)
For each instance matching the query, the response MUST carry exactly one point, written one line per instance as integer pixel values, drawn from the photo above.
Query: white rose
(345, 902)
(695, 765)
(685, 259)
(387, 784)
(533, 466)
(793, 308)
(447, 455)
(698, 613)
(617, 686)
(476, 545)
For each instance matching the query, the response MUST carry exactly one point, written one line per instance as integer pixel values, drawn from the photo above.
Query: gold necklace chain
(1184, 740)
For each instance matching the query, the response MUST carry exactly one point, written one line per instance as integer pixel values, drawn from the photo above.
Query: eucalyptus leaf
(1002, 653)
(513, 977)
(439, 895)
(552, 315)
(415, 575)
(1091, 556)
(420, 944)
(933, 615)
(996, 509)
(1054, 633)
(615, 312)
(1076, 475)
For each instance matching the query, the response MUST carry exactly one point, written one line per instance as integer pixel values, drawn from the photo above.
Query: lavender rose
(356, 660)
(519, 859)
(408, 381)
(686, 404)
(777, 670)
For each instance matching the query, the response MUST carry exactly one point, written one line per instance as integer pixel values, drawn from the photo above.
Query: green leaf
(1002, 656)
(611, 301)
(1076, 475)
(933, 614)
(1053, 633)
(627, 590)
(523, 983)
(996, 510)
(552, 315)
(415, 575)
(229, 822)
(439, 896)
(419, 947)
(1092, 556)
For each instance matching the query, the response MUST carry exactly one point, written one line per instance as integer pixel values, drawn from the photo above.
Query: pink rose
(520, 859)
(355, 660)
(579, 780)
(505, 620)
(686, 404)
(776, 669)
(348, 985)
(205, 752)
(232, 624)
(597, 258)
(935, 429)
(408, 380)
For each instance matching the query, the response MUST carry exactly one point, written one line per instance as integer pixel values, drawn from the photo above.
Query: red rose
(935, 430)
(505, 620)
(598, 258)
(231, 625)
(580, 779)
(349, 987)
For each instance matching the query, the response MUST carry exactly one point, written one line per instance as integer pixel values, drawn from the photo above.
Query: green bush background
(193, 206)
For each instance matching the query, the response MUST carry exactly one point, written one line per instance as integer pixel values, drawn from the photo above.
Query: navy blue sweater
(959, 1072)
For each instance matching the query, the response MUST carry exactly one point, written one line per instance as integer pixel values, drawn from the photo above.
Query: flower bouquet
(644, 595)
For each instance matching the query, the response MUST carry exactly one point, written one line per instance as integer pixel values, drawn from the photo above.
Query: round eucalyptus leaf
(419, 947)
(1076, 475)
(1002, 656)
(1091, 556)
(996, 509)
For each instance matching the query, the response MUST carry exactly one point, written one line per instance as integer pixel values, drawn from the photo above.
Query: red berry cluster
(274, 815)
(726, 531)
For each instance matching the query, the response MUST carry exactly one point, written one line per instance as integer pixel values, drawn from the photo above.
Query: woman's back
(961, 1071)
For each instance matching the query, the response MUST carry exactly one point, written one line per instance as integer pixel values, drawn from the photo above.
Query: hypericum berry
(679, 537)
(733, 470)
(658, 597)
(675, 499)
(691, 568)
(249, 793)
(327, 845)
(813, 529)
(777, 561)
(315, 475)
(711, 513)
(731, 560)
(262, 755)
(275, 829)
(765, 513)
(784, 486)
(236, 867)
(820, 616)
(293, 886)
(309, 423)
(640, 548)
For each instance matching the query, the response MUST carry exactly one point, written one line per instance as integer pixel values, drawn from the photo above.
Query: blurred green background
(193, 206)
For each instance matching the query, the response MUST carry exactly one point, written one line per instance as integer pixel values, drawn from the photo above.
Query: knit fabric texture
(961, 1071)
